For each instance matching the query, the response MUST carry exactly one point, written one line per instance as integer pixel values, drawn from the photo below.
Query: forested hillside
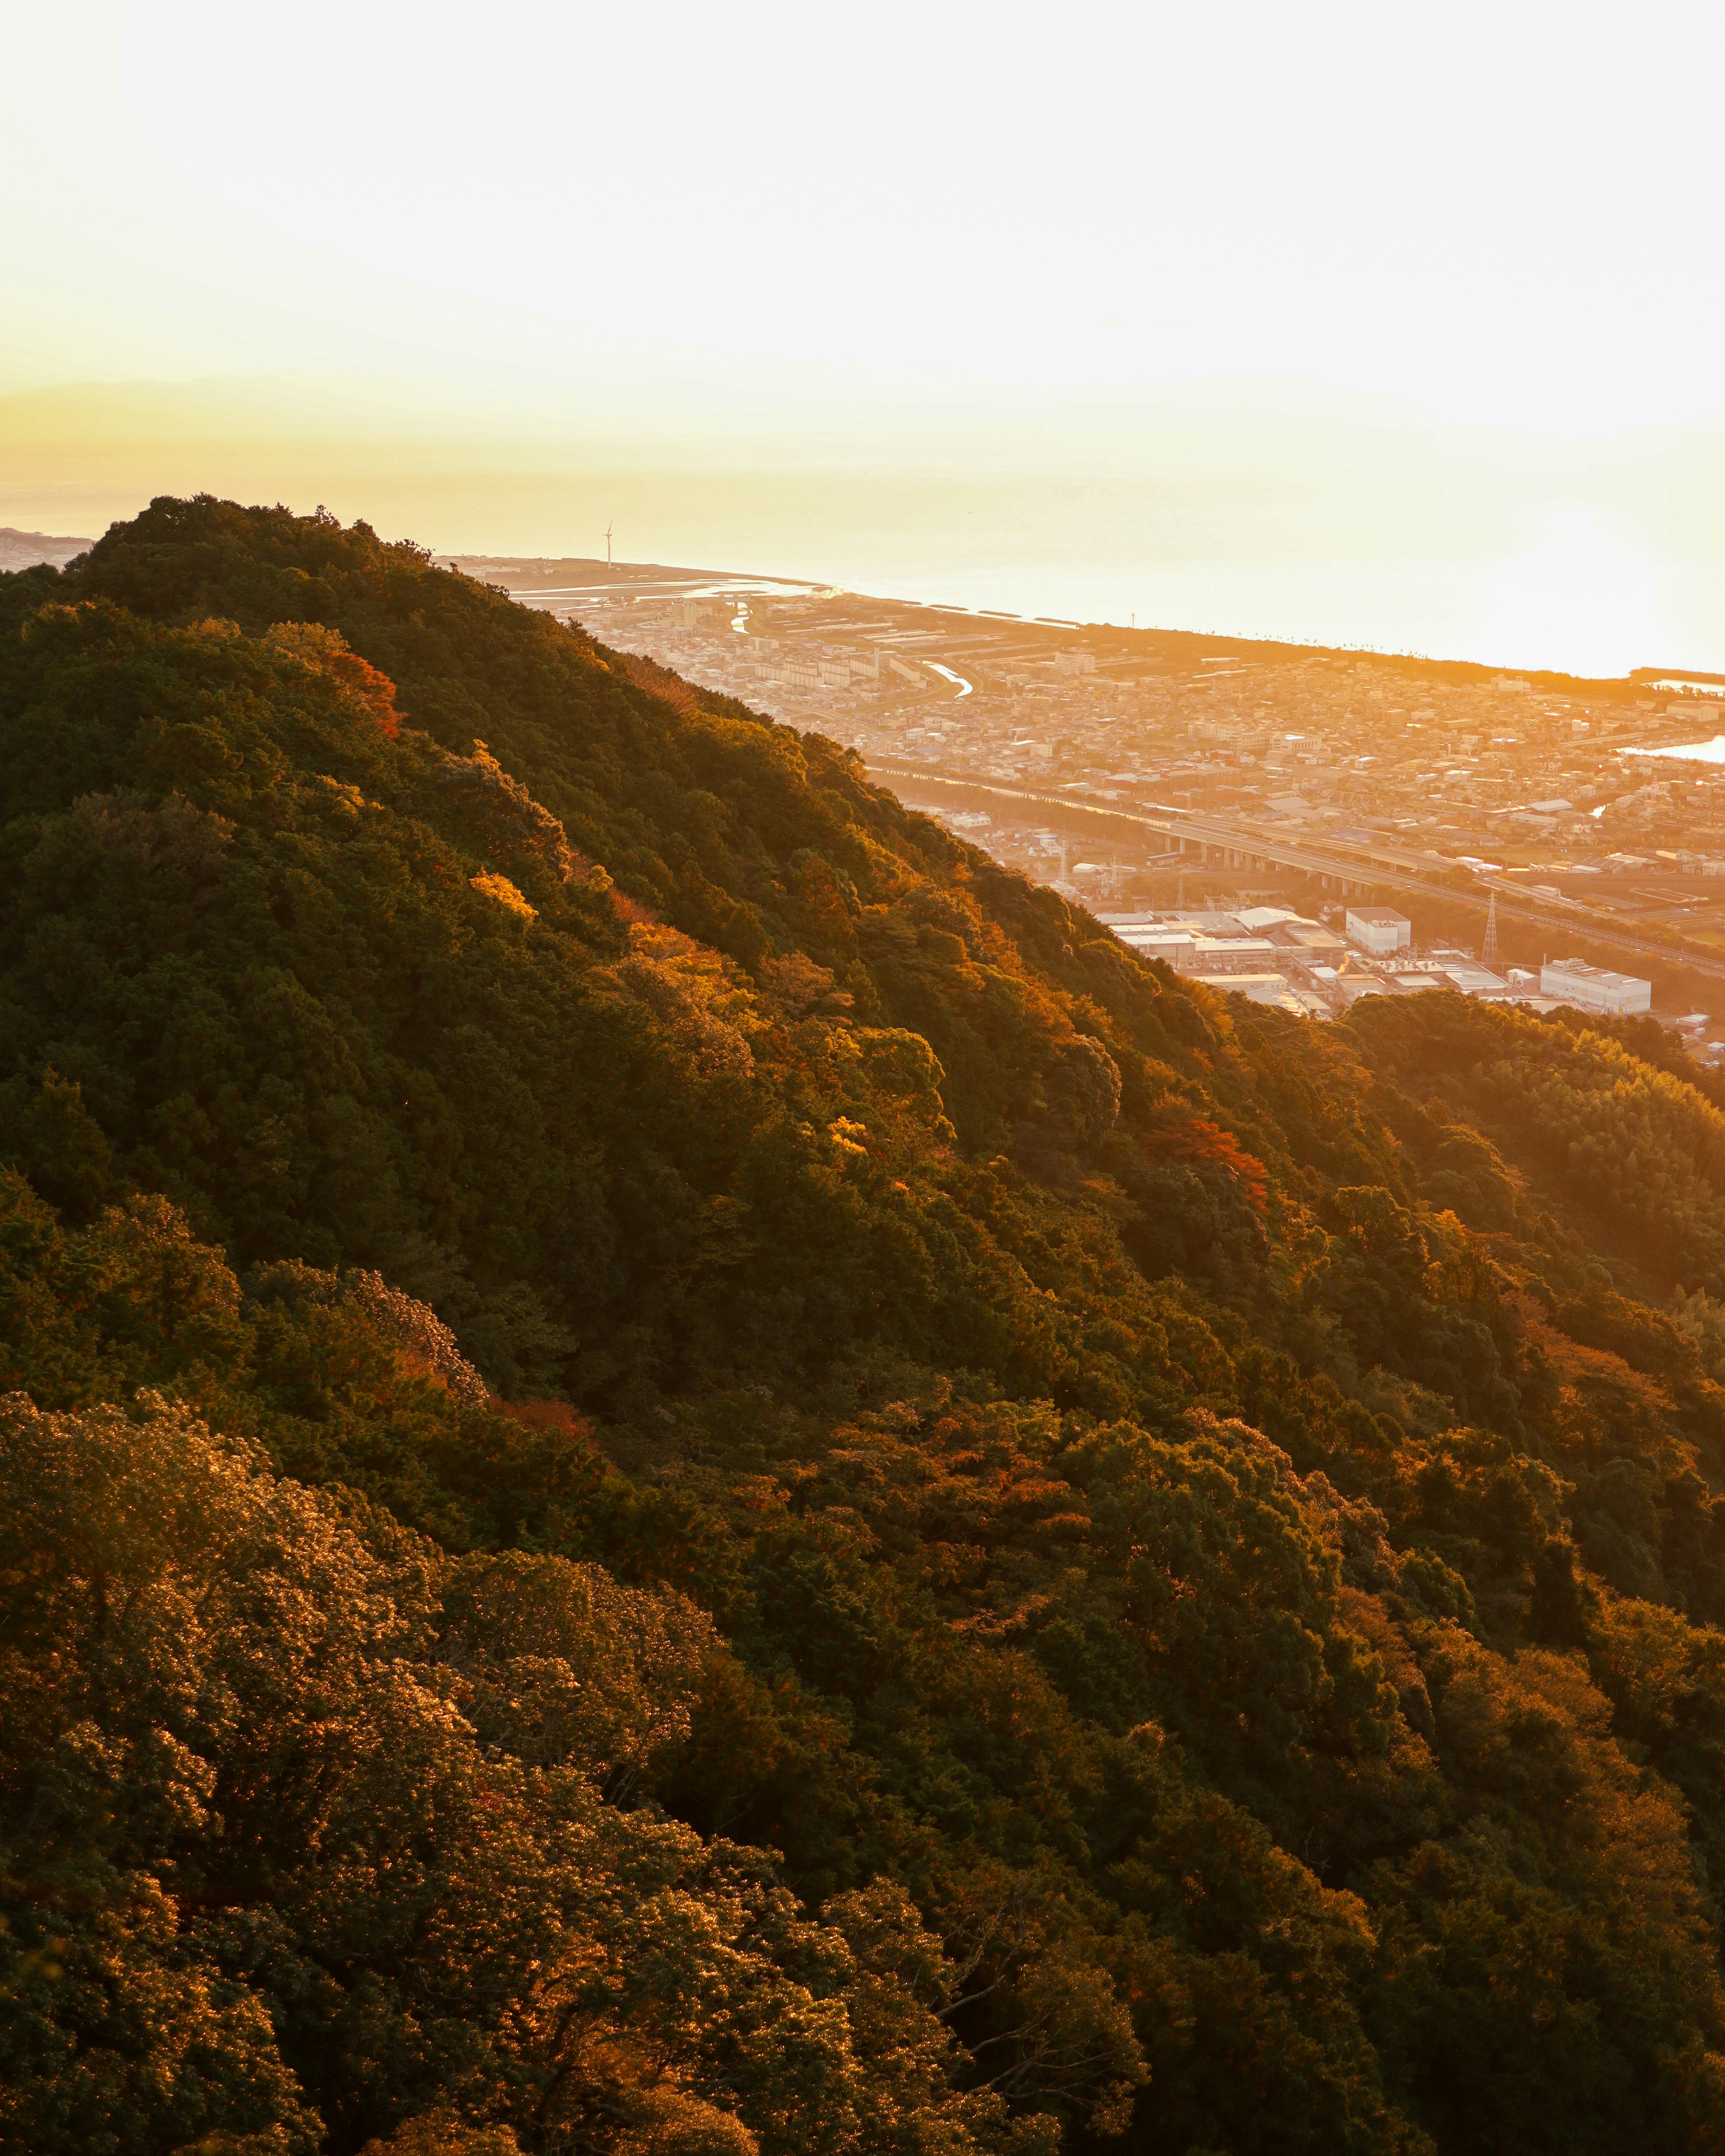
(686, 1474)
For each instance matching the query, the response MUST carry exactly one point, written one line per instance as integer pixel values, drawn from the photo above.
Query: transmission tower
(1488, 949)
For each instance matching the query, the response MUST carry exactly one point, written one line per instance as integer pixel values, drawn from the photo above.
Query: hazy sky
(1309, 254)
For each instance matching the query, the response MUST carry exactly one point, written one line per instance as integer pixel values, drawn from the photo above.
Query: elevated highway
(1348, 871)
(1209, 838)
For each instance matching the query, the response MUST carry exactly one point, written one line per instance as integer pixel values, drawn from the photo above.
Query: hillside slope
(824, 1512)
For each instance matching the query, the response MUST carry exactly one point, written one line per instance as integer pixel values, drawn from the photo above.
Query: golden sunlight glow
(1578, 590)
(1286, 301)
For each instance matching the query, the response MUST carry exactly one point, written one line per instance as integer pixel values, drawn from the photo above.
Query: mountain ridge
(1178, 1553)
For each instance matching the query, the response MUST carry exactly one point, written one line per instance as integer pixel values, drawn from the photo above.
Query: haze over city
(862, 1079)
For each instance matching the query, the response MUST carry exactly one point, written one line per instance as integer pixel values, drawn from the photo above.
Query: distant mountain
(23, 550)
(682, 1473)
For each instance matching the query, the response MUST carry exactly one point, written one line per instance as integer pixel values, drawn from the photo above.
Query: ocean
(1588, 571)
(1527, 581)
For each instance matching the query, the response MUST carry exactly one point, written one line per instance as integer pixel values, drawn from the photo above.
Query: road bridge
(1348, 871)
(1211, 839)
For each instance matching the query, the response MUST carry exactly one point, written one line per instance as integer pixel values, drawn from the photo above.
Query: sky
(1412, 311)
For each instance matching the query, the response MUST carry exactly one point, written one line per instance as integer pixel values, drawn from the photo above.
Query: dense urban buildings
(1179, 785)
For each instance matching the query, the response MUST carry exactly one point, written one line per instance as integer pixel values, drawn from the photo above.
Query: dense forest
(684, 1473)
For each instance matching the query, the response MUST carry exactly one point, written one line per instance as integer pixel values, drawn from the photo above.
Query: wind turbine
(607, 546)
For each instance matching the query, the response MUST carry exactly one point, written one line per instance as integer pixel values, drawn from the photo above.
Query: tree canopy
(686, 1473)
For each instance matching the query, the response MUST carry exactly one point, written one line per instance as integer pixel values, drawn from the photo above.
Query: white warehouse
(1592, 988)
(1376, 929)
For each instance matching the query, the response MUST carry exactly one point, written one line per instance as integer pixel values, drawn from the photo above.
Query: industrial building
(1256, 989)
(1272, 955)
(1376, 929)
(1592, 988)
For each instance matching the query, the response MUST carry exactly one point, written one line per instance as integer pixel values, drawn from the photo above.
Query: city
(862, 1081)
(1232, 807)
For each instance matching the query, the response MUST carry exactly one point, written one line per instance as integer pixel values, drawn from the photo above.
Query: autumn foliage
(684, 1473)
